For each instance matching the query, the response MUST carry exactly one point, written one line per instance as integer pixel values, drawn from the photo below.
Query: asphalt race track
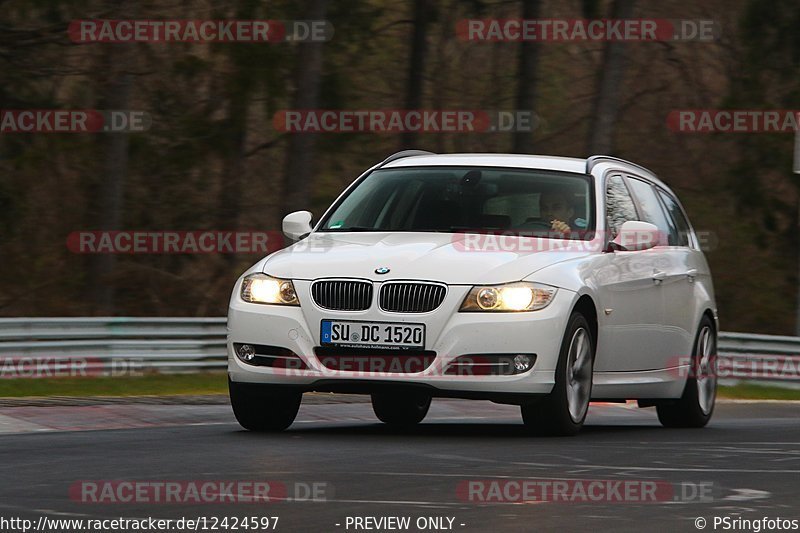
(748, 460)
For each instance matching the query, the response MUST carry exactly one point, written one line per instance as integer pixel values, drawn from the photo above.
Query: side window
(619, 204)
(652, 212)
(676, 214)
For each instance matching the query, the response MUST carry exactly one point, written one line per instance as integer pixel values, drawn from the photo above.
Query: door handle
(658, 277)
(691, 274)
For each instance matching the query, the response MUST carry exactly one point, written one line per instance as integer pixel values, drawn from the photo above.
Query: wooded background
(213, 160)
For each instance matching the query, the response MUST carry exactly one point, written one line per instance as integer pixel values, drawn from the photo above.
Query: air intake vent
(412, 297)
(342, 295)
(375, 361)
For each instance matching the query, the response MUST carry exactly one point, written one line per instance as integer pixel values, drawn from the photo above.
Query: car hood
(456, 259)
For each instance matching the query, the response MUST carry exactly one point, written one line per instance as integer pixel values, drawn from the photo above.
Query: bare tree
(605, 108)
(116, 94)
(423, 11)
(235, 140)
(300, 152)
(527, 65)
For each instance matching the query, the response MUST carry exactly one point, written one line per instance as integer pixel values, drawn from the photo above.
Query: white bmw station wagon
(544, 282)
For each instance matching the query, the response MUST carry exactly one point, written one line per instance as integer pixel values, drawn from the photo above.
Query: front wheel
(563, 411)
(401, 409)
(263, 408)
(696, 405)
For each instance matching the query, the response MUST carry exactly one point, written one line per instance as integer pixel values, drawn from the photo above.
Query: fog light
(246, 352)
(522, 363)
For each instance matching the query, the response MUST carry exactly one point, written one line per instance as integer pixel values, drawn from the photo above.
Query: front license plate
(391, 335)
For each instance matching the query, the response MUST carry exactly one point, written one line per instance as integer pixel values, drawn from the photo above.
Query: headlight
(263, 289)
(521, 296)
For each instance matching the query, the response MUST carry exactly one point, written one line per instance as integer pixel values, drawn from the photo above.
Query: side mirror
(635, 235)
(297, 225)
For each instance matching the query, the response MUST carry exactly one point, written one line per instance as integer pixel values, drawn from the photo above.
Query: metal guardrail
(192, 344)
(119, 343)
(761, 359)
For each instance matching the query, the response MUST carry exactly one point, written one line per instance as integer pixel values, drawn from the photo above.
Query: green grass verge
(149, 384)
(216, 383)
(746, 391)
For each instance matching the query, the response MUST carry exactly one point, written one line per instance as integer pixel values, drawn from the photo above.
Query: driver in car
(556, 209)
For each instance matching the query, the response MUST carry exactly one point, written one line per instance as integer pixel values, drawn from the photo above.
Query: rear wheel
(563, 411)
(401, 409)
(263, 408)
(696, 405)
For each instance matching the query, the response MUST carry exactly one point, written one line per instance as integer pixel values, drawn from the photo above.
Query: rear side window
(677, 217)
(652, 212)
(619, 204)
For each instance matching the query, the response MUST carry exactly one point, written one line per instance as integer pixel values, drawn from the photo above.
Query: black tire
(263, 408)
(551, 415)
(687, 412)
(402, 410)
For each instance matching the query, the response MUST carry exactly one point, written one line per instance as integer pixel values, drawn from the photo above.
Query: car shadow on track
(450, 430)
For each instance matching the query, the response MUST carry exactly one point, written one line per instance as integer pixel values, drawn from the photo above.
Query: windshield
(468, 199)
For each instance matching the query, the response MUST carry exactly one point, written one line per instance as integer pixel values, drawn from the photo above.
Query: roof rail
(597, 159)
(402, 154)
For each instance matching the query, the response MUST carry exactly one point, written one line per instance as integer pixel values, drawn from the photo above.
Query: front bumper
(449, 334)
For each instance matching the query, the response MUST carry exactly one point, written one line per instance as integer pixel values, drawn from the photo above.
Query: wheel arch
(711, 316)
(587, 307)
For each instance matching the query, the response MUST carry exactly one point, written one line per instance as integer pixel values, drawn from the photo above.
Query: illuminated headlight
(263, 289)
(521, 296)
